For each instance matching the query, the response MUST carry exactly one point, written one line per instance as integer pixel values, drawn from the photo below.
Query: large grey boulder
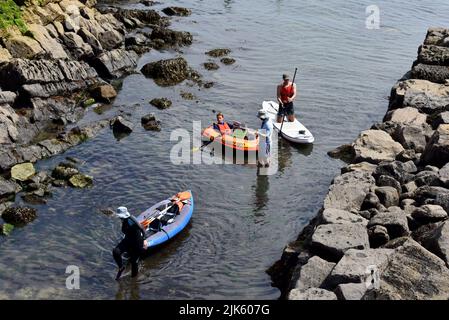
(444, 175)
(441, 118)
(313, 273)
(434, 55)
(355, 265)
(407, 115)
(376, 146)
(388, 196)
(401, 171)
(389, 181)
(435, 238)
(437, 149)
(311, 294)
(427, 97)
(429, 213)
(412, 273)
(350, 291)
(115, 63)
(8, 188)
(395, 220)
(349, 190)
(331, 241)
(338, 216)
(413, 136)
(433, 73)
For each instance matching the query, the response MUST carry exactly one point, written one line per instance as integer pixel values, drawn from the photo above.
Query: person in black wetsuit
(132, 243)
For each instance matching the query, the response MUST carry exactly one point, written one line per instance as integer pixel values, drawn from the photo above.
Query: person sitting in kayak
(133, 242)
(222, 126)
(286, 93)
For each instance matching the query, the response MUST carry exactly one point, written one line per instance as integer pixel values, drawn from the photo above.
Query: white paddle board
(294, 131)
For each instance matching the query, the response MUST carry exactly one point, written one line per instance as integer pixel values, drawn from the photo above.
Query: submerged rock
(211, 66)
(187, 95)
(80, 181)
(6, 229)
(161, 103)
(19, 215)
(227, 61)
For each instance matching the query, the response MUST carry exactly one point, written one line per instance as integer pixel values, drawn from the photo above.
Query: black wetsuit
(132, 243)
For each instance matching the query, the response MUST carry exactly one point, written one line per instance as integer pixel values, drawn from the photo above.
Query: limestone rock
(376, 146)
(333, 240)
(395, 220)
(353, 267)
(413, 273)
(311, 294)
(313, 273)
(349, 190)
(23, 171)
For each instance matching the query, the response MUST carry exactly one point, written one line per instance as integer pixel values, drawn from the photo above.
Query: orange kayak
(240, 139)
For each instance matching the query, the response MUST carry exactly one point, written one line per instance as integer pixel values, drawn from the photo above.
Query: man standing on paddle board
(286, 93)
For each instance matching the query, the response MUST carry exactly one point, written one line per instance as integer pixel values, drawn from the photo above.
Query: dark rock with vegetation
(177, 11)
(167, 72)
(164, 37)
(217, 53)
(211, 66)
(161, 103)
(150, 123)
(19, 215)
(227, 61)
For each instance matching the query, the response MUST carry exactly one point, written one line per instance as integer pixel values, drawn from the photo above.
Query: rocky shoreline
(57, 59)
(383, 232)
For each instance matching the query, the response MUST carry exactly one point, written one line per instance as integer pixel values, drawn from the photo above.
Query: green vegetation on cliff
(11, 15)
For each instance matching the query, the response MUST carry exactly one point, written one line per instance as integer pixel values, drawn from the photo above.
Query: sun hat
(262, 114)
(285, 76)
(122, 213)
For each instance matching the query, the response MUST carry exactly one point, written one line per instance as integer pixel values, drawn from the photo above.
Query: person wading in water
(286, 93)
(133, 243)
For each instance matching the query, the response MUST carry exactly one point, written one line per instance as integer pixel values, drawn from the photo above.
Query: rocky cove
(72, 94)
(382, 232)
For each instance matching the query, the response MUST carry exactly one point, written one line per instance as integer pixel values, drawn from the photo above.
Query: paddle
(293, 82)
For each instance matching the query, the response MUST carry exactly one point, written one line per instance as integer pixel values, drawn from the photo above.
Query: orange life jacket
(286, 92)
(224, 128)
